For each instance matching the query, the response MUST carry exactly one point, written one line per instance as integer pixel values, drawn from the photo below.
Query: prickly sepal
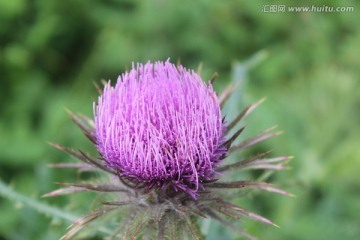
(168, 210)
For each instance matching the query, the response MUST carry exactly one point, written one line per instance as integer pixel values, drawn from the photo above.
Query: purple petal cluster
(160, 125)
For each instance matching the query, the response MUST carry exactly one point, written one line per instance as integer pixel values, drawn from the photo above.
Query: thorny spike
(229, 224)
(262, 136)
(83, 157)
(248, 184)
(225, 212)
(71, 165)
(225, 95)
(98, 164)
(193, 230)
(161, 229)
(78, 122)
(245, 212)
(86, 130)
(267, 163)
(241, 162)
(84, 220)
(69, 151)
(89, 121)
(98, 89)
(117, 203)
(244, 113)
(199, 69)
(64, 191)
(103, 82)
(98, 187)
(229, 142)
(213, 77)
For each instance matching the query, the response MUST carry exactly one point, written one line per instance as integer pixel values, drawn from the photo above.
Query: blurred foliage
(52, 52)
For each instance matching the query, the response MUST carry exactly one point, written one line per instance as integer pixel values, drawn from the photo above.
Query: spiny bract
(162, 142)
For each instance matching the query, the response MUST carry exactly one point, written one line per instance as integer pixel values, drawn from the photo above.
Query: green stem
(10, 194)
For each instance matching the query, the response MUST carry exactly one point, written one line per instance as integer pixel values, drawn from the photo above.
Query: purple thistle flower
(161, 139)
(160, 125)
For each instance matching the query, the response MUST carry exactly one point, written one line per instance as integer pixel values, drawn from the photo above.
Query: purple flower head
(159, 130)
(160, 125)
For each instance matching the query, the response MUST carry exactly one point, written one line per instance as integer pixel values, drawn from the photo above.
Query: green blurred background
(52, 52)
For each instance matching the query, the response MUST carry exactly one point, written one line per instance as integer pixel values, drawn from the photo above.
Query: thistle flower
(161, 137)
